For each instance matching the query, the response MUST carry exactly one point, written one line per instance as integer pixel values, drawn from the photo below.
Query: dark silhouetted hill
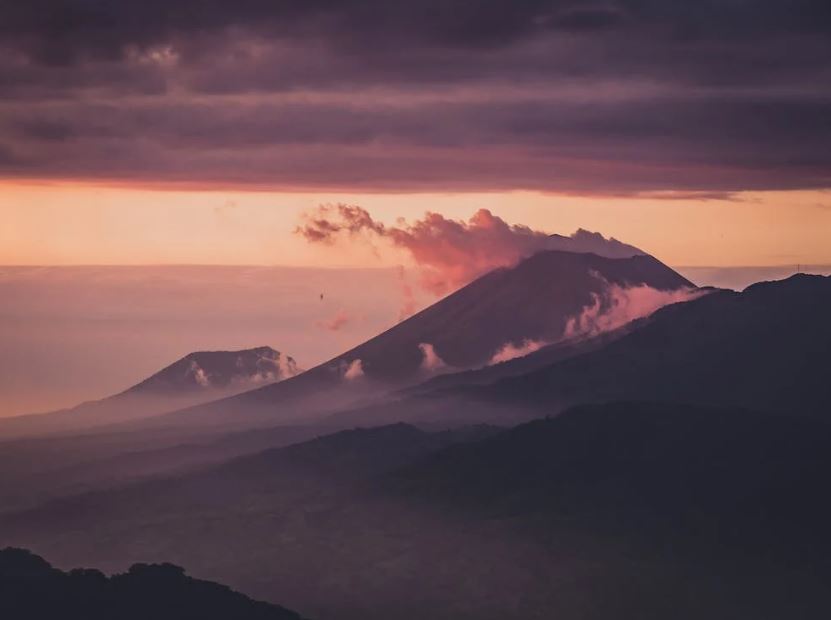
(30, 589)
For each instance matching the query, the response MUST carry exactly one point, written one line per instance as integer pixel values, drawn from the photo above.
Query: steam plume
(510, 350)
(450, 253)
(618, 305)
(336, 322)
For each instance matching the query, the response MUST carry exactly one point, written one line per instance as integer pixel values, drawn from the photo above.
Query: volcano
(533, 303)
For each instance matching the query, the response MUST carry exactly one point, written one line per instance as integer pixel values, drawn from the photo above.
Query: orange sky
(60, 224)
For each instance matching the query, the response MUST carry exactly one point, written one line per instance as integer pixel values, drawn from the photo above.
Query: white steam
(431, 362)
(617, 305)
(509, 350)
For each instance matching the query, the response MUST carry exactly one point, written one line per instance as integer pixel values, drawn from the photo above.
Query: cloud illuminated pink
(451, 253)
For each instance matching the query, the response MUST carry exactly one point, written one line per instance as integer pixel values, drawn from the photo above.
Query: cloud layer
(616, 97)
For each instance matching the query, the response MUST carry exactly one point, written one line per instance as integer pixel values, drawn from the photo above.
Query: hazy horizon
(76, 333)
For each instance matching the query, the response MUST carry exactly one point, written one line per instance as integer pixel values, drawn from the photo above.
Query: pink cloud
(334, 323)
(431, 362)
(450, 253)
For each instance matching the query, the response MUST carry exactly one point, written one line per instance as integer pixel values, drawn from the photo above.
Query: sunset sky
(82, 224)
(199, 132)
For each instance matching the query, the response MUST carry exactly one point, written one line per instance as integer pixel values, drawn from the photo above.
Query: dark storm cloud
(58, 31)
(616, 148)
(106, 27)
(608, 96)
(7, 157)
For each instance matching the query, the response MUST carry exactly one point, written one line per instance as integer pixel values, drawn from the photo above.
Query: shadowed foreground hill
(718, 477)
(30, 589)
(624, 511)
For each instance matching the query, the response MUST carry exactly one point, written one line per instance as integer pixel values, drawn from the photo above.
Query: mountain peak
(204, 370)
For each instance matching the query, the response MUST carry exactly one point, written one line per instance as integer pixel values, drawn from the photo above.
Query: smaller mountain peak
(221, 370)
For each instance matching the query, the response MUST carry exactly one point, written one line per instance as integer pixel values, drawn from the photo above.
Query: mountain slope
(198, 377)
(766, 348)
(272, 522)
(531, 302)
